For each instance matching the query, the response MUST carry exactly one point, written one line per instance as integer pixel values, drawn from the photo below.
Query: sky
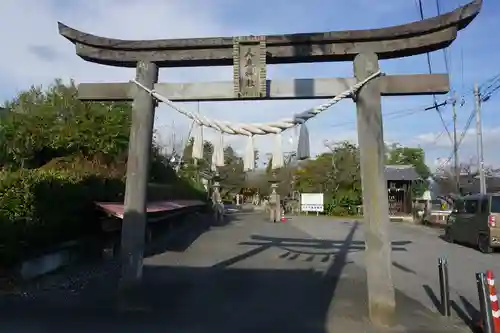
(35, 54)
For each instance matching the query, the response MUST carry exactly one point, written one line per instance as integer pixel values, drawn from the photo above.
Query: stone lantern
(274, 199)
(217, 204)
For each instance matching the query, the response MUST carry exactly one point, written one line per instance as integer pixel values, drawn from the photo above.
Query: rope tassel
(218, 154)
(260, 129)
(197, 152)
(249, 160)
(278, 161)
(303, 146)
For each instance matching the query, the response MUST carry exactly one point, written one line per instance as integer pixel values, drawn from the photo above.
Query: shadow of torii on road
(294, 247)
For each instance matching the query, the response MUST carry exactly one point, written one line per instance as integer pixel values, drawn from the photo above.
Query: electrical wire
(492, 88)
(432, 145)
(429, 65)
(445, 50)
(459, 141)
(462, 71)
(489, 84)
(421, 11)
(488, 96)
(394, 114)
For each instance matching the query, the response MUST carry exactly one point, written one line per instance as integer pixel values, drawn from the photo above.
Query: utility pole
(455, 143)
(479, 134)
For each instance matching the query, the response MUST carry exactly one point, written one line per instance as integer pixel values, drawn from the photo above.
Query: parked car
(473, 221)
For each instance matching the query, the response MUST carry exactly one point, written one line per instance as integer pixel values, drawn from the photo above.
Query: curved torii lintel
(392, 42)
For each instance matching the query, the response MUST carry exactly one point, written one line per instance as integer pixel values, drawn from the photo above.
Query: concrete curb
(50, 262)
(72, 252)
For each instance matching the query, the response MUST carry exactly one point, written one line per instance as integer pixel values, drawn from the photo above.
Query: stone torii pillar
(138, 165)
(374, 187)
(364, 47)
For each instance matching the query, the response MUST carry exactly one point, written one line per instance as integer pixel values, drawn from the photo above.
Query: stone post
(134, 219)
(381, 294)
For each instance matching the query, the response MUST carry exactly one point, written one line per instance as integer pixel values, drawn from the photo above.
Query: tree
(331, 171)
(346, 167)
(232, 172)
(400, 155)
(468, 178)
(53, 123)
(172, 148)
(336, 175)
(51, 128)
(58, 157)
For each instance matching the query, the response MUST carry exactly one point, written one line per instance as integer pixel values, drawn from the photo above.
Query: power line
(487, 97)
(491, 83)
(462, 70)
(445, 50)
(394, 114)
(490, 90)
(464, 131)
(459, 141)
(493, 87)
(411, 111)
(435, 141)
(429, 65)
(421, 11)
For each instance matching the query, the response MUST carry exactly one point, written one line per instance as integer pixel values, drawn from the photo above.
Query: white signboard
(311, 202)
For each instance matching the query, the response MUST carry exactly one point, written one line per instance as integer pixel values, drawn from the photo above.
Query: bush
(177, 190)
(62, 155)
(343, 203)
(41, 208)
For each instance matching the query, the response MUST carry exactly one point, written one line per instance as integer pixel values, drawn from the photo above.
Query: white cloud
(491, 135)
(439, 147)
(111, 18)
(36, 54)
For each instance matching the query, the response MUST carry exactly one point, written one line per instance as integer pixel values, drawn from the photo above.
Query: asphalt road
(250, 275)
(415, 269)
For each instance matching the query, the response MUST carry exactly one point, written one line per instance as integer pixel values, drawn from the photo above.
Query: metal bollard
(444, 287)
(484, 303)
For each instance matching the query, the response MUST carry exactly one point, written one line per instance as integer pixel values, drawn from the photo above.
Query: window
(495, 204)
(485, 206)
(471, 206)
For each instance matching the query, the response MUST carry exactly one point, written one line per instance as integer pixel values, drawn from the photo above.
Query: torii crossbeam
(363, 47)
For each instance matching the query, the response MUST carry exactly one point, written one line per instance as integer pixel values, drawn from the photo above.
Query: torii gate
(363, 47)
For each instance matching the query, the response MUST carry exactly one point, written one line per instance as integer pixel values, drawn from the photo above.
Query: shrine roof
(401, 172)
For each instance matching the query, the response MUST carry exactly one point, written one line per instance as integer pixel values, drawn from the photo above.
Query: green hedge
(178, 190)
(343, 203)
(41, 208)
